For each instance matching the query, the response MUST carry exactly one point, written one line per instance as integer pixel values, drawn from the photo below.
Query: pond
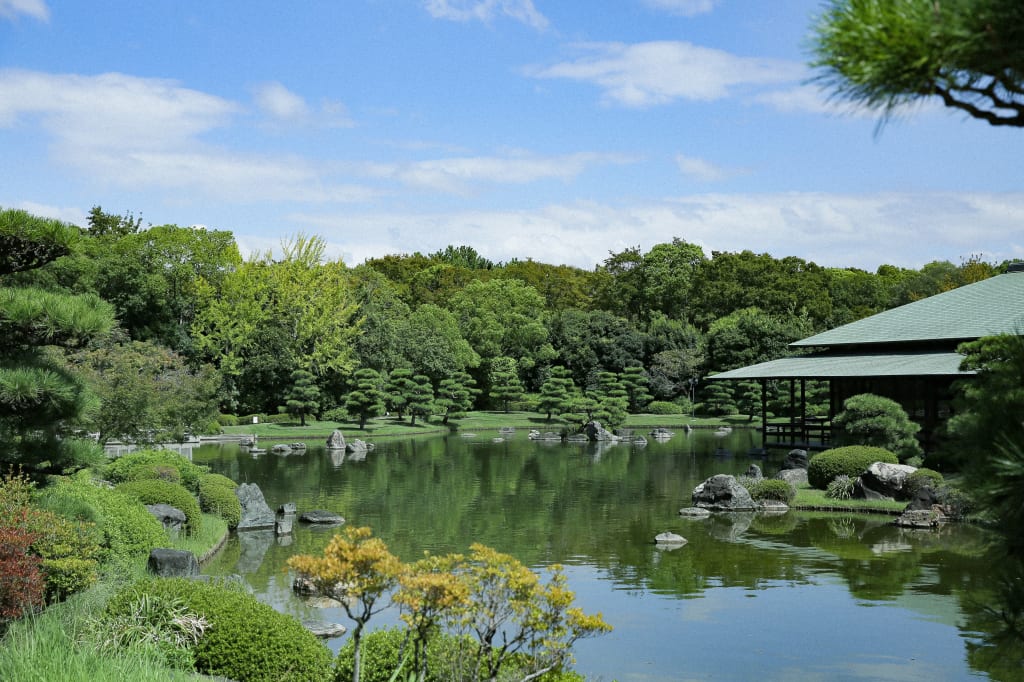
(802, 596)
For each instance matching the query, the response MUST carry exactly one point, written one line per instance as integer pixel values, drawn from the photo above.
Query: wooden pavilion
(907, 354)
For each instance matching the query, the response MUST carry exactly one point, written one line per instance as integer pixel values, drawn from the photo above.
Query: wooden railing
(809, 434)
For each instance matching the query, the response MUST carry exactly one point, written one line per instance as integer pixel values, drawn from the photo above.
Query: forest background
(203, 335)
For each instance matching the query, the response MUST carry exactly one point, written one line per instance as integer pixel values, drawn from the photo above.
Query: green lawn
(472, 422)
(811, 498)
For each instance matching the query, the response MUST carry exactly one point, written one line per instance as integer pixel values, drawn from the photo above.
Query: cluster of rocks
(257, 519)
(336, 442)
(723, 493)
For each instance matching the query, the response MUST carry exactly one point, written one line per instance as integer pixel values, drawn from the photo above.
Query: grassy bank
(392, 427)
(809, 498)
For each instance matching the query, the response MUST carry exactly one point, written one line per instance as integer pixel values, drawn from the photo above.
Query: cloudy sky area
(546, 129)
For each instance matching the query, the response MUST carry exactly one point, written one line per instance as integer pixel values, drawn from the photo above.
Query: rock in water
(256, 514)
(723, 493)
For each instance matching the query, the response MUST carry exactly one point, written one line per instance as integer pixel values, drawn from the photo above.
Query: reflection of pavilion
(907, 354)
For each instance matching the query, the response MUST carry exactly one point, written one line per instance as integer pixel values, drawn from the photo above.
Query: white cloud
(486, 11)
(457, 174)
(907, 230)
(699, 169)
(686, 8)
(280, 102)
(284, 106)
(110, 111)
(37, 9)
(645, 74)
(72, 214)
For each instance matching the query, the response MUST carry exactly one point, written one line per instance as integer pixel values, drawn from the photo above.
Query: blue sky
(552, 130)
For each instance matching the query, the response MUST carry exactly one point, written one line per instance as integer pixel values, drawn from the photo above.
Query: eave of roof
(991, 306)
(830, 365)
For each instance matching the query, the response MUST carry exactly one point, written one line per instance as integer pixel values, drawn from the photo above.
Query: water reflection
(860, 596)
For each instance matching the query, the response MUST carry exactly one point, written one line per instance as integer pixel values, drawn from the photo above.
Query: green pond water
(802, 596)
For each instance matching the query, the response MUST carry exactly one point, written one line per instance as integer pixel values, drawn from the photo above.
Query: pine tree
(635, 381)
(367, 400)
(455, 395)
(40, 398)
(556, 393)
(304, 395)
(505, 383)
(420, 400)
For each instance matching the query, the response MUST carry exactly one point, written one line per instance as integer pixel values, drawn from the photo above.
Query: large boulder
(885, 481)
(173, 563)
(172, 518)
(256, 514)
(796, 459)
(336, 441)
(722, 492)
(794, 477)
(596, 432)
(358, 447)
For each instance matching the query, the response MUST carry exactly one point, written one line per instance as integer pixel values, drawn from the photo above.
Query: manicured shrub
(869, 419)
(217, 496)
(22, 585)
(246, 639)
(852, 461)
(148, 464)
(228, 420)
(449, 658)
(68, 549)
(336, 414)
(663, 407)
(770, 489)
(155, 491)
(127, 529)
(924, 478)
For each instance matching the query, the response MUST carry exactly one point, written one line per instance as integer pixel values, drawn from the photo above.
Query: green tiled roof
(992, 306)
(835, 366)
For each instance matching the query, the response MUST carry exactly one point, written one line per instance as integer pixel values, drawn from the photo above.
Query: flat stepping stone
(321, 516)
(694, 513)
(324, 630)
(668, 539)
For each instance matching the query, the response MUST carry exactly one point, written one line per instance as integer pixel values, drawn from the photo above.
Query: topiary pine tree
(367, 399)
(396, 393)
(303, 397)
(420, 401)
(455, 395)
(505, 383)
(635, 381)
(40, 398)
(869, 419)
(556, 393)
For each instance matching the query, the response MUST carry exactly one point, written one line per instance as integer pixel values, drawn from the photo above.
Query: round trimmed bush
(663, 407)
(924, 478)
(852, 461)
(155, 491)
(148, 464)
(217, 496)
(770, 489)
(247, 639)
(128, 529)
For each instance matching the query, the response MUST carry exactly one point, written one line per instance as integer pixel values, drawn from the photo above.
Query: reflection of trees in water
(994, 615)
(545, 504)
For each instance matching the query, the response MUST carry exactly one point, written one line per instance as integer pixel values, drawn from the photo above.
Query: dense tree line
(431, 334)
